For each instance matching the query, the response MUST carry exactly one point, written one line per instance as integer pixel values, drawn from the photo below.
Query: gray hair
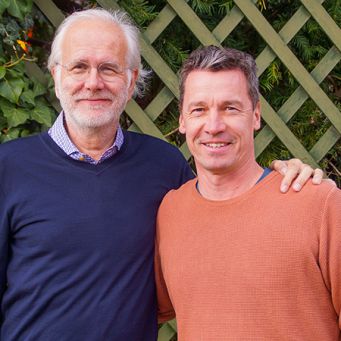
(213, 58)
(123, 21)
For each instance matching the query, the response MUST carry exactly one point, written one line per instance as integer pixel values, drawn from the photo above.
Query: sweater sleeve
(330, 247)
(4, 228)
(165, 308)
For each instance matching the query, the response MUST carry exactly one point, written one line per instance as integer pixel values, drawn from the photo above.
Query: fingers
(304, 175)
(295, 176)
(317, 176)
(279, 166)
(282, 167)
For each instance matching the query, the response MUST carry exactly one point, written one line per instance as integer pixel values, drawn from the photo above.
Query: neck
(230, 184)
(92, 141)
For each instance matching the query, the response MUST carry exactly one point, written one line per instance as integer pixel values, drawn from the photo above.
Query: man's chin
(95, 121)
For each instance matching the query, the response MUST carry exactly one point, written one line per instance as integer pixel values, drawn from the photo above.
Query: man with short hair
(235, 259)
(78, 203)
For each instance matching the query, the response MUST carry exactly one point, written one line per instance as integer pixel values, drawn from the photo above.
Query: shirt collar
(60, 136)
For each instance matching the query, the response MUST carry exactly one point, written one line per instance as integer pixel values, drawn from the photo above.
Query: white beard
(83, 118)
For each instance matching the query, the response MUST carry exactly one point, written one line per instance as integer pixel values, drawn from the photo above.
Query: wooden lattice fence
(277, 47)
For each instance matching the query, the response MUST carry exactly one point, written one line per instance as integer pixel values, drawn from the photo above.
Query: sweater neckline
(84, 166)
(257, 187)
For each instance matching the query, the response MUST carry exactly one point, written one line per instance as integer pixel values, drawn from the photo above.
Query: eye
(78, 68)
(110, 69)
(232, 109)
(197, 111)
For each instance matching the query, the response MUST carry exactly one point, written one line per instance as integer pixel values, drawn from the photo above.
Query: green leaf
(11, 135)
(28, 97)
(14, 9)
(3, 122)
(19, 67)
(42, 114)
(14, 73)
(3, 5)
(14, 115)
(38, 89)
(25, 132)
(2, 71)
(11, 89)
(19, 8)
(26, 6)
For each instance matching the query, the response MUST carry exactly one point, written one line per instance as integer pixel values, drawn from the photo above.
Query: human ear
(182, 129)
(56, 79)
(257, 117)
(132, 78)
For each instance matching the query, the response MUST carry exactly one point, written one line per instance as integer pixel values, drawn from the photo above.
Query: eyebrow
(227, 102)
(87, 62)
(196, 103)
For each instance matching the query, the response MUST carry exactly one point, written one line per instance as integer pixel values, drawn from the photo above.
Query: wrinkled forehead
(215, 86)
(96, 40)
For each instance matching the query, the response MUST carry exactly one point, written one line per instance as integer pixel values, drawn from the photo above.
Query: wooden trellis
(277, 47)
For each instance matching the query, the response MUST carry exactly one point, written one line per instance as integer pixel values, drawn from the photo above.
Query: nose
(214, 123)
(94, 81)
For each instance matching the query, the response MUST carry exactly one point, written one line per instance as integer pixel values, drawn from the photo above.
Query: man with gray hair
(78, 203)
(235, 259)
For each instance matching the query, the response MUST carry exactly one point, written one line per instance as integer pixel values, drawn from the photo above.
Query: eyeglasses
(80, 71)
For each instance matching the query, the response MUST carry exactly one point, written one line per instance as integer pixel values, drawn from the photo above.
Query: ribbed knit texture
(77, 240)
(263, 266)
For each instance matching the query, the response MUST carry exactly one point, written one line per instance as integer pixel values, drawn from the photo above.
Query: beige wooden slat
(160, 67)
(166, 332)
(185, 151)
(134, 128)
(291, 62)
(228, 24)
(156, 27)
(144, 123)
(160, 23)
(325, 143)
(33, 71)
(284, 134)
(109, 4)
(288, 31)
(51, 11)
(156, 106)
(298, 97)
(325, 21)
(192, 21)
(159, 103)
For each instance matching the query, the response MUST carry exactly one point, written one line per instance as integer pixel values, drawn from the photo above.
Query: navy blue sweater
(77, 240)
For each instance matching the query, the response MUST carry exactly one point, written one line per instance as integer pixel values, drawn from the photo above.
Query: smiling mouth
(216, 145)
(93, 99)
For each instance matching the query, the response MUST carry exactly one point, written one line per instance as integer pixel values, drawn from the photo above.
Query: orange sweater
(262, 266)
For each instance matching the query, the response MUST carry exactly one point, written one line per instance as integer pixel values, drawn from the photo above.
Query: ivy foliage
(24, 109)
